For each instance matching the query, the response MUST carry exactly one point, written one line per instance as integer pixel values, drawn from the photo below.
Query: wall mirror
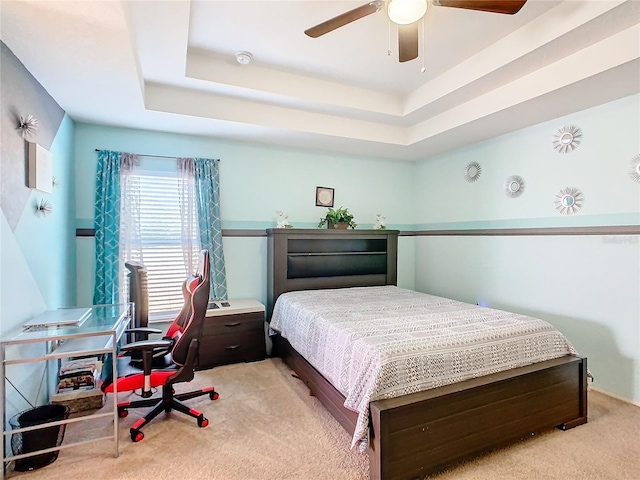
(472, 172)
(567, 139)
(514, 186)
(569, 200)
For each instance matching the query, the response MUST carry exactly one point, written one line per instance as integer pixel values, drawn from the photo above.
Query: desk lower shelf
(83, 346)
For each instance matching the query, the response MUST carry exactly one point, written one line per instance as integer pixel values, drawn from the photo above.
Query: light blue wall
(37, 254)
(588, 286)
(256, 180)
(49, 242)
(598, 167)
(20, 299)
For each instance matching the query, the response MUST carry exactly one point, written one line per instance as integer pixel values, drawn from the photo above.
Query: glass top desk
(98, 334)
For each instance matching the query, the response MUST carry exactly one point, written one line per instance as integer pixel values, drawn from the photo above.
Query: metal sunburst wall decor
(42, 207)
(27, 126)
(634, 169)
(514, 186)
(567, 139)
(569, 200)
(472, 172)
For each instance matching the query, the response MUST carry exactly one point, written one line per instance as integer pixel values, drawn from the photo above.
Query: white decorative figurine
(380, 222)
(282, 220)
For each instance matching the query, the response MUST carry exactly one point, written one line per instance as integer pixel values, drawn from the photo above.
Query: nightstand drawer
(248, 346)
(225, 324)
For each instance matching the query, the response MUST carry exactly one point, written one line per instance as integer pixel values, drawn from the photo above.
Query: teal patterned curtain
(107, 228)
(207, 183)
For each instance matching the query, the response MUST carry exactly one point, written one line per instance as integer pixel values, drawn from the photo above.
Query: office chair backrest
(138, 293)
(188, 325)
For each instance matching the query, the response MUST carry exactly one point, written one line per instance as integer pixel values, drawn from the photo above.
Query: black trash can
(34, 440)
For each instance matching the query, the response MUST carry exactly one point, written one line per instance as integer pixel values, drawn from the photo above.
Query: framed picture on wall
(324, 197)
(40, 168)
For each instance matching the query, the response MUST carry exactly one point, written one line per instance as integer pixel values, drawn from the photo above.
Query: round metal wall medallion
(634, 169)
(514, 186)
(569, 200)
(472, 172)
(567, 139)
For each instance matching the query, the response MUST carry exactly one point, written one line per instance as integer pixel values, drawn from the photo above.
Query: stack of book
(77, 382)
(78, 374)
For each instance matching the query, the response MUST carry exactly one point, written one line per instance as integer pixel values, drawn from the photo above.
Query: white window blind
(160, 243)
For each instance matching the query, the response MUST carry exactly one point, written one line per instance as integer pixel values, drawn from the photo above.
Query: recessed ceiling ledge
(171, 99)
(558, 21)
(219, 69)
(608, 54)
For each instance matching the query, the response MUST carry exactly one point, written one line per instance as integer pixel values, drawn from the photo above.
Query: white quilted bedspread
(375, 343)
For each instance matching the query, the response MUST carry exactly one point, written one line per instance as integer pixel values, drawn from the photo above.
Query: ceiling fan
(407, 13)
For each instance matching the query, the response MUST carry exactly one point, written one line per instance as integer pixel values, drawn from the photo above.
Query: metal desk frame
(90, 338)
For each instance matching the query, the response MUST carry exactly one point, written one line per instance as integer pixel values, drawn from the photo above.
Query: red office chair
(185, 333)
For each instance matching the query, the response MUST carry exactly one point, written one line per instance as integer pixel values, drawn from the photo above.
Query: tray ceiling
(170, 66)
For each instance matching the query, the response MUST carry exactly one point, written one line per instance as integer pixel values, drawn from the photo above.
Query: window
(152, 233)
(121, 215)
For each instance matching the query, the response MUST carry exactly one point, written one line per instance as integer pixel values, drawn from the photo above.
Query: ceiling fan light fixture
(405, 12)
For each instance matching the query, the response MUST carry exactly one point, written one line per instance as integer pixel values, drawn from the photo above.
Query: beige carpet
(266, 426)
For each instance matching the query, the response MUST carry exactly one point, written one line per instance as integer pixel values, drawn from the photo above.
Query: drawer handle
(233, 347)
(234, 324)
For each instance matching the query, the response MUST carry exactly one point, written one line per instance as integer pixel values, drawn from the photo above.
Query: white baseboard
(617, 397)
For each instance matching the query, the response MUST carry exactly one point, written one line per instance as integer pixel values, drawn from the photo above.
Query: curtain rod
(157, 156)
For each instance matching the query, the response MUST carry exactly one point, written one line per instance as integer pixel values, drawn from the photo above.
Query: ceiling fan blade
(408, 41)
(508, 7)
(344, 19)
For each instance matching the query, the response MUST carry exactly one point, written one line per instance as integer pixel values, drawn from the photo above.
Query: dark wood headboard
(309, 259)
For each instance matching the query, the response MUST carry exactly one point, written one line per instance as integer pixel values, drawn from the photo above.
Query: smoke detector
(243, 58)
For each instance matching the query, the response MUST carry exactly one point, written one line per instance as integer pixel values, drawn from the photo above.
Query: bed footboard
(422, 433)
(418, 434)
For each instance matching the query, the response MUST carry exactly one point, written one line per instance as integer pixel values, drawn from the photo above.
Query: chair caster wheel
(122, 412)
(136, 435)
(202, 421)
(213, 395)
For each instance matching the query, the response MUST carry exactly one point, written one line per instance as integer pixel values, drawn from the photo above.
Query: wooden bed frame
(418, 434)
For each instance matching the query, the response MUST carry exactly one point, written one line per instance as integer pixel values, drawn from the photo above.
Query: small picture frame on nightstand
(324, 197)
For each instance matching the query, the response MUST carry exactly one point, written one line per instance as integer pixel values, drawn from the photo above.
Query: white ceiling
(170, 66)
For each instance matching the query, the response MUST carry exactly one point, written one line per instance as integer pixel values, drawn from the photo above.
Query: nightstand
(239, 333)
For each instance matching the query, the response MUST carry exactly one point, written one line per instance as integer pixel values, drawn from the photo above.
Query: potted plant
(338, 218)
